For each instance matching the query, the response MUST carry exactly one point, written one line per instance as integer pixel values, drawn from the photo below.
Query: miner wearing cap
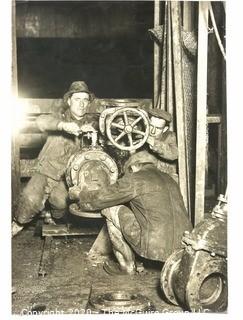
(161, 140)
(48, 182)
(144, 211)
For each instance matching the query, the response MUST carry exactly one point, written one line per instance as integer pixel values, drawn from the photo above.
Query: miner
(48, 183)
(161, 140)
(144, 211)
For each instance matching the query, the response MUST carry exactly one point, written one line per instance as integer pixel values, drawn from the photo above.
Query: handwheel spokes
(130, 139)
(128, 136)
(136, 121)
(117, 125)
(138, 132)
(120, 136)
(125, 118)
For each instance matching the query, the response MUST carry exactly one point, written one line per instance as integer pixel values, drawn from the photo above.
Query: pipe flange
(76, 162)
(120, 302)
(74, 209)
(168, 272)
(207, 290)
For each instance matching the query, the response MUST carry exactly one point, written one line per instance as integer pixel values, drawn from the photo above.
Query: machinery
(196, 277)
(123, 302)
(100, 161)
(126, 128)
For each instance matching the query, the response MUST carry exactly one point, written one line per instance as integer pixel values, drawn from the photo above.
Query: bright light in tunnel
(19, 110)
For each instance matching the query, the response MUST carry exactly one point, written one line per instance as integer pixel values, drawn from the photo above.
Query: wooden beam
(102, 244)
(32, 140)
(163, 77)
(157, 53)
(179, 102)
(30, 125)
(61, 230)
(169, 87)
(15, 160)
(219, 158)
(38, 106)
(214, 118)
(188, 16)
(201, 110)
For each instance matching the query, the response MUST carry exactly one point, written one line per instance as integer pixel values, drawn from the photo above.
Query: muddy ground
(70, 276)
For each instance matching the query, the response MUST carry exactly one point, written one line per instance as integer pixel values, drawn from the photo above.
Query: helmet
(77, 86)
(140, 157)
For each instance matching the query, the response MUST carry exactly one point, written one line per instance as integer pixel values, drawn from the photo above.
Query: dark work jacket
(54, 156)
(156, 202)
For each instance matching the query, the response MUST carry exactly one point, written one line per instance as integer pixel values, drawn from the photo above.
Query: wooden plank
(169, 86)
(37, 106)
(179, 102)
(30, 126)
(15, 159)
(102, 244)
(224, 162)
(162, 104)
(214, 118)
(219, 158)
(201, 111)
(32, 140)
(188, 16)
(157, 53)
(49, 230)
(46, 257)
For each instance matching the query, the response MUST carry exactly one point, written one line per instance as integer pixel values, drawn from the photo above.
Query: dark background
(103, 43)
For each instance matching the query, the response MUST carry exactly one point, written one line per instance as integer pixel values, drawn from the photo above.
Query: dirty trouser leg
(58, 199)
(32, 199)
(121, 249)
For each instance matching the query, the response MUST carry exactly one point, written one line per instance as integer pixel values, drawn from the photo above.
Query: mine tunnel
(119, 103)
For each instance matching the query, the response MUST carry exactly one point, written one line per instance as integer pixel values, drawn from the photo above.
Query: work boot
(47, 217)
(113, 268)
(16, 228)
(58, 214)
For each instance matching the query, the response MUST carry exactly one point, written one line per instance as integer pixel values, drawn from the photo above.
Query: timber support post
(15, 162)
(201, 111)
(157, 53)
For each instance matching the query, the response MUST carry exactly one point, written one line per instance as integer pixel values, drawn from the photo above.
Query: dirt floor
(70, 276)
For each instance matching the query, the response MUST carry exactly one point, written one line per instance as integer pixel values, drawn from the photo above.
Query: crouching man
(48, 183)
(144, 212)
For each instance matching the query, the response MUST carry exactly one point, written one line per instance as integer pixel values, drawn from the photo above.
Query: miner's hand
(70, 127)
(87, 128)
(74, 192)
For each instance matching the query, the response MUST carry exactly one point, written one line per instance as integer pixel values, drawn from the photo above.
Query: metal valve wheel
(132, 130)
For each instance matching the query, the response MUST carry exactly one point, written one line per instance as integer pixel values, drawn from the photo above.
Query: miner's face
(79, 102)
(157, 126)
